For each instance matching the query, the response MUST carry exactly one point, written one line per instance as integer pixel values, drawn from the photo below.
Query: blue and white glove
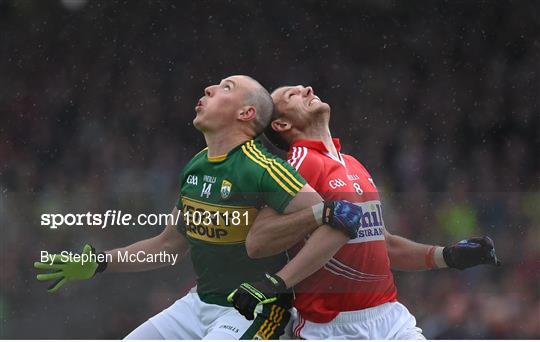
(341, 215)
(471, 252)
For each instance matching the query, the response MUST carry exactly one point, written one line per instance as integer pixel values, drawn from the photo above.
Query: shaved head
(258, 97)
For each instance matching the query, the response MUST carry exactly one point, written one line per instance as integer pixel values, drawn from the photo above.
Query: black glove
(271, 289)
(471, 252)
(343, 215)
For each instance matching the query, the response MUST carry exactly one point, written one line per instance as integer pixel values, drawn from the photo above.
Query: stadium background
(438, 99)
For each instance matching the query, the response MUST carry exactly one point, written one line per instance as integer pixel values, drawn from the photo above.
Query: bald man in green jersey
(222, 189)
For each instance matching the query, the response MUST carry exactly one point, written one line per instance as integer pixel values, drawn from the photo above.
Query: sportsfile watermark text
(109, 218)
(119, 256)
(118, 218)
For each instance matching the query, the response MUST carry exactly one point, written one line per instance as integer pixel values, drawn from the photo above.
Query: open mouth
(314, 100)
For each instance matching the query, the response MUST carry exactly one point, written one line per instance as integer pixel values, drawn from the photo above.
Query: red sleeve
(307, 163)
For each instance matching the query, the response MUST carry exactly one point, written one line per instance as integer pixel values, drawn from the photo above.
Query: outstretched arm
(62, 271)
(407, 255)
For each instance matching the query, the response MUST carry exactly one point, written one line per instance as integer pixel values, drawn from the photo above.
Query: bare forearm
(274, 233)
(319, 248)
(407, 255)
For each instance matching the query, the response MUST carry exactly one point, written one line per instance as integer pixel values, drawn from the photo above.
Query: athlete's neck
(320, 133)
(221, 143)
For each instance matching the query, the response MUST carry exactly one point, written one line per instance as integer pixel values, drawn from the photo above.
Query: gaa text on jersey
(336, 183)
(192, 179)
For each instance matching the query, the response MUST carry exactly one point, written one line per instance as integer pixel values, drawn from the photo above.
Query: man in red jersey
(353, 296)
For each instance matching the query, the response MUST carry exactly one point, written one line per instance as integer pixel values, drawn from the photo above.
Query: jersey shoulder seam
(275, 169)
(314, 157)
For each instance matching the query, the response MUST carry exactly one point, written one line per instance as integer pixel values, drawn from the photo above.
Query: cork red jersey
(359, 275)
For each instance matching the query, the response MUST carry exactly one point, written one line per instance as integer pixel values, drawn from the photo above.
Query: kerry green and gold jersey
(219, 200)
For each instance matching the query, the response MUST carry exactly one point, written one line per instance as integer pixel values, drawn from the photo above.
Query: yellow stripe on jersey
(267, 168)
(288, 175)
(217, 159)
(212, 159)
(265, 161)
(201, 151)
(219, 205)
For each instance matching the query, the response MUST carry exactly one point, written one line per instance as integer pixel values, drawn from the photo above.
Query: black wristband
(276, 281)
(448, 258)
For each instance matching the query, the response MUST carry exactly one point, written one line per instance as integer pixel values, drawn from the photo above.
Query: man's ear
(280, 125)
(247, 113)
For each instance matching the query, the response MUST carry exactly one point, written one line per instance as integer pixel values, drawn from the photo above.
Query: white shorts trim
(189, 318)
(383, 322)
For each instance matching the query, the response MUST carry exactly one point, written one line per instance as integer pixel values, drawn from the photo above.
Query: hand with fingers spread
(62, 270)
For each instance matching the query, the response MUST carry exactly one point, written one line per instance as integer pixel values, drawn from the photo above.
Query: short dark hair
(260, 98)
(273, 136)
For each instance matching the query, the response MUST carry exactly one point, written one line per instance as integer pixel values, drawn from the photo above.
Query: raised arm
(323, 243)
(341, 220)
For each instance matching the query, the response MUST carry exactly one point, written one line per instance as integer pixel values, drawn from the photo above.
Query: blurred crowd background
(439, 99)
